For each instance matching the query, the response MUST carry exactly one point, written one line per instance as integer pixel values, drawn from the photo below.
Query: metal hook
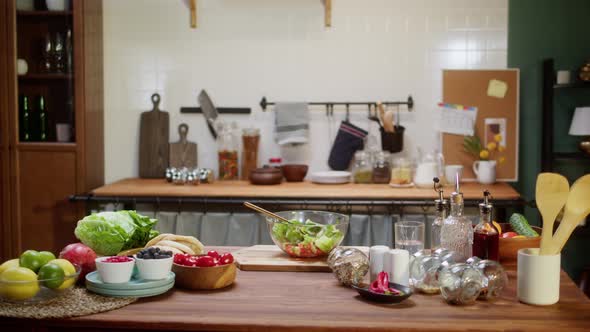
(347, 112)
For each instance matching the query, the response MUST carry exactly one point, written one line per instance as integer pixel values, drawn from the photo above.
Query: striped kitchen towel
(291, 123)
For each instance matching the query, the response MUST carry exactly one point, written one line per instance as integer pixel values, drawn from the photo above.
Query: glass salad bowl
(308, 233)
(37, 290)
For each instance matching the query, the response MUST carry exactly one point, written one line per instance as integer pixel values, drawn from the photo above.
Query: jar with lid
(362, 170)
(401, 172)
(382, 167)
(250, 141)
(227, 151)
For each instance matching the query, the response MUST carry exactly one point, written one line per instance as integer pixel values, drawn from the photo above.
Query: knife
(209, 111)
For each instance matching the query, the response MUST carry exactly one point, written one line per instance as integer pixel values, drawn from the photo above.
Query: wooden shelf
(572, 85)
(49, 13)
(49, 76)
(46, 146)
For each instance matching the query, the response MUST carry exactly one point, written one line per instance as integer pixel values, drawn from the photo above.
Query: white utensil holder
(538, 277)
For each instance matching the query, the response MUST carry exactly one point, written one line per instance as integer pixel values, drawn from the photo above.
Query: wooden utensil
(183, 153)
(576, 209)
(388, 122)
(153, 141)
(551, 194)
(382, 116)
(265, 212)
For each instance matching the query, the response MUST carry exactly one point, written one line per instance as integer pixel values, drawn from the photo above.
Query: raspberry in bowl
(115, 269)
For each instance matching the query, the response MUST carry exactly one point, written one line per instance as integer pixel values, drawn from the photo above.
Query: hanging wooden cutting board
(154, 130)
(183, 153)
(272, 258)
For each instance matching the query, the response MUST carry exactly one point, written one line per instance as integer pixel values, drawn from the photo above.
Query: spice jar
(382, 167)
(250, 140)
(362, 170)
(401, 172)
(227, 152)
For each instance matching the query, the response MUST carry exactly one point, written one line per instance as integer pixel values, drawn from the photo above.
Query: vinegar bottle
(485, 235)
(441, 207)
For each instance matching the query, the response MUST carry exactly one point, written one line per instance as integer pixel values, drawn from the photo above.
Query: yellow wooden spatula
(577, 208)
(551, 194)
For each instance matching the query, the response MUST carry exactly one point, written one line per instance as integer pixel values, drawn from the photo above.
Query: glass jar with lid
(401, 172)
(382, 167)
(362, 169)
(227, 151)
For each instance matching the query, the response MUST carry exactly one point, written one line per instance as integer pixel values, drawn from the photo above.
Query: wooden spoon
(551, 194)
(388, 122)
(576, 209)
(265, 212)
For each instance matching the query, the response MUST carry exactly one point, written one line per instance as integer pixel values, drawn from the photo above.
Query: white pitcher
(485, 171)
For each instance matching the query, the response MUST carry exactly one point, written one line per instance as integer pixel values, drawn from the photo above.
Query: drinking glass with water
(409, 235)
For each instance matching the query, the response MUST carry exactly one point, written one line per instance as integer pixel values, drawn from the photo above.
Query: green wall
(540, 29)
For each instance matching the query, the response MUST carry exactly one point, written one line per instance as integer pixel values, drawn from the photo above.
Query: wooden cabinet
(38, 171)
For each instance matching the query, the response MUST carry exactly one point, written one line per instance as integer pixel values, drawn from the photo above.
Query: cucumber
(521, 226)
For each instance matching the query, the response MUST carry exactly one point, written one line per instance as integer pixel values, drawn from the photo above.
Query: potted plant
(484, 166)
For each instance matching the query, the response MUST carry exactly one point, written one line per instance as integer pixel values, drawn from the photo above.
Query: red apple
(509, 235)
(81, 255)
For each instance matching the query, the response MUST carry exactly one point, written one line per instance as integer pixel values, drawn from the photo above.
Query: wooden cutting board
(272, 258)
(183, 153)
(153, 141)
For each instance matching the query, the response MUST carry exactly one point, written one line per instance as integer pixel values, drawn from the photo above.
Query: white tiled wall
(243, 50)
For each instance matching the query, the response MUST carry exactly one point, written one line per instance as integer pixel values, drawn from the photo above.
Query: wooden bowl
(509, 247)
(216, 277)
(294, 172)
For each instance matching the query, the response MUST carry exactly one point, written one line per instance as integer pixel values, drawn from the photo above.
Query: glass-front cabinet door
(45, 69)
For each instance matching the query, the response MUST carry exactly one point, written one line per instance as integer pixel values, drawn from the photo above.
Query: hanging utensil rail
(409, 102)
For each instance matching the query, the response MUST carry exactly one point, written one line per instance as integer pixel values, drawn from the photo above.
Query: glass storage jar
(250, 141)
(382, 167)
(227, 151)
(401, 172)
(362, 170)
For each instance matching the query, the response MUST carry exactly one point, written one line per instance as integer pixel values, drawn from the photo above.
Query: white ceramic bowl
(114, 273)
(154, 269)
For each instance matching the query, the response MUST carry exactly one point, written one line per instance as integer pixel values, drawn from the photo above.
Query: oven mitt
(349, 139)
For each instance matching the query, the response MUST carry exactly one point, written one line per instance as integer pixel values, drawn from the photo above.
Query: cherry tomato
(205, 261)
(226, 258)
(213, 253)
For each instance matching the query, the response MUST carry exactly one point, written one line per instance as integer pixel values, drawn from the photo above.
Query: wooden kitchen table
(314, 301)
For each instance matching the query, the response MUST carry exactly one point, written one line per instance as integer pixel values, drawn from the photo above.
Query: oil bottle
(485, 235)
(441, 207)
(457, 232)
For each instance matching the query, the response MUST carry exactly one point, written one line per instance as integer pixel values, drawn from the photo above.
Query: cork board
(470, 88)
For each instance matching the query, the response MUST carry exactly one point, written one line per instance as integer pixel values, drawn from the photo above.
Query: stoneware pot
(485, 171)
(538, 277)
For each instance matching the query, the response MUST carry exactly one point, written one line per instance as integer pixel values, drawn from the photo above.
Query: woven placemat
(77, 302)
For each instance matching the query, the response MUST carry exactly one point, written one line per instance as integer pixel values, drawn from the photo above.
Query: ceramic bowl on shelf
(509, 247)
(295, 172)
(325, 229)
(266, 176)
(204, 278)
(36, 291)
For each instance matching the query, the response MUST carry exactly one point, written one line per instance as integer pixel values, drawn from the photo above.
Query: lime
(10, 263)
(52, 274)
(31, 259)
(68, 269)
(18, 283)
(46, 256)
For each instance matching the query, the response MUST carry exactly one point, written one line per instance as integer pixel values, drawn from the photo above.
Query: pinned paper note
(497, 88)
(456, 119)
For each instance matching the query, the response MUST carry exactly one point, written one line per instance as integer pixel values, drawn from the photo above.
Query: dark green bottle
(42, 119)
(25, 119)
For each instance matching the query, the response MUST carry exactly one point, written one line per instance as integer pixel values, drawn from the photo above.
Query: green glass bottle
(42, 119)
(25, 119)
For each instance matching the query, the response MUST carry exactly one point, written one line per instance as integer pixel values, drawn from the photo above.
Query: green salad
(306, 239)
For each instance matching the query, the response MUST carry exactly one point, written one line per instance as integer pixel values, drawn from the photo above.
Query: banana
(156, 240)
(167, 248)
(129, 252)
(177, 245)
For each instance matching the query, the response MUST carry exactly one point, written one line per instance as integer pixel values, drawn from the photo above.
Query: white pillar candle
(397, 264)
(376, 256)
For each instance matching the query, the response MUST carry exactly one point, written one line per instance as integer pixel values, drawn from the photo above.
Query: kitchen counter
(301, 301)
(137, 189)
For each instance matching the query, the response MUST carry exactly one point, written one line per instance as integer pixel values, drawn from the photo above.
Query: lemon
(18, 283)
(69, 270)
(8, 264)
